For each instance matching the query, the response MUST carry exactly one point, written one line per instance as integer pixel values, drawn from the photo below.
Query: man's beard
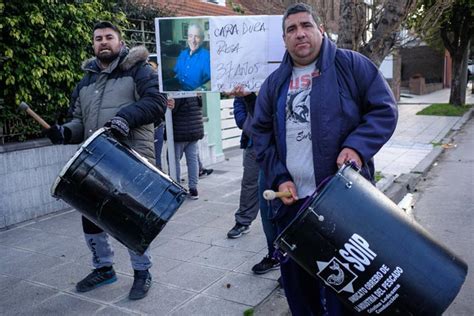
(107, 58)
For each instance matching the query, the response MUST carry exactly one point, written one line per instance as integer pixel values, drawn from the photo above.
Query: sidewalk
(197, 270)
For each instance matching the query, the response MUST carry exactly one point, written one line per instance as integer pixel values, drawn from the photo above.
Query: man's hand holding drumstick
(286, 192)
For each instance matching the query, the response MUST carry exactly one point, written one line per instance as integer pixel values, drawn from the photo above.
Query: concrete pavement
(197, 270)
(444, 205)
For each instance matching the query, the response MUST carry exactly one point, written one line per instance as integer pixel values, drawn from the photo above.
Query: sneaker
(193, 194)
(96, 278)
(238, 230)
(267, 264)
(141, 284)
(205, 172)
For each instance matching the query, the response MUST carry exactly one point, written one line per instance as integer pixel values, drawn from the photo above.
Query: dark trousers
(306, 295)
(269, 226)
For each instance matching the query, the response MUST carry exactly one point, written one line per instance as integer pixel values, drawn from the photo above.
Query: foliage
(44, 43)
(444, 109)
(141, 18)
(249, 312)
(43, 46)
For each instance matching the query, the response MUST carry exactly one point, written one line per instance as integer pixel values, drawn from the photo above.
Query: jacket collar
(127, 59)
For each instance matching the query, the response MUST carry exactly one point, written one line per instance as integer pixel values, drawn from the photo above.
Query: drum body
(119, 191)
(370, 253)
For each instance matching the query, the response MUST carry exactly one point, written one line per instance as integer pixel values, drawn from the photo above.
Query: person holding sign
(321, 108)
(193, 67)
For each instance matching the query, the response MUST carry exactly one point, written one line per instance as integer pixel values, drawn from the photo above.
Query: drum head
(66, 167)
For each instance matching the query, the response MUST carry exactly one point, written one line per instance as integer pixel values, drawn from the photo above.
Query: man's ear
(122, 44)
(321, 29)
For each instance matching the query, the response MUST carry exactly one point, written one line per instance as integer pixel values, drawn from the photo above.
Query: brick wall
(422, 60)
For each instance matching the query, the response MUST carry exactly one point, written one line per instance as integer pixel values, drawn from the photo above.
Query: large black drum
(370, 253)
(118, 190)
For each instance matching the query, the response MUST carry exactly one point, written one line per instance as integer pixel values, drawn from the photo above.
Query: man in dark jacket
(120, 90)
(188, 128)
(321, 108)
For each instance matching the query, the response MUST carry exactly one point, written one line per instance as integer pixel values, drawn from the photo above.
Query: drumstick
(36, 117)
(271, 195)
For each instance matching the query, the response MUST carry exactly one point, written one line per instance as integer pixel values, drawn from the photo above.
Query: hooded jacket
(351, 106)
(128, 88)
(187, 120)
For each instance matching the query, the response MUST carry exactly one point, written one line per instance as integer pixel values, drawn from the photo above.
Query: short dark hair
(107, 25)
(298, 8)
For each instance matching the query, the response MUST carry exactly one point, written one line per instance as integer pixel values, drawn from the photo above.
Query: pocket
(351, 115)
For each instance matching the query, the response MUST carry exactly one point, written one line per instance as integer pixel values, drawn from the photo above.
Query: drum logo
(337, 275)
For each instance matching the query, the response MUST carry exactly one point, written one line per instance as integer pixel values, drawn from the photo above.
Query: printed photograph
(185, 54)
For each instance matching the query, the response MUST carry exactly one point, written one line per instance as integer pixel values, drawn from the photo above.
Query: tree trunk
(456, 35)
(351, 24)
(459, 80)
(386, 28)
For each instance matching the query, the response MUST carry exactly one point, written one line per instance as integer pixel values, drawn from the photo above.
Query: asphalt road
(444, 205)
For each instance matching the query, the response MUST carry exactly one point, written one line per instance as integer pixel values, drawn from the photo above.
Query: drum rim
(86, 143)
(66, 167)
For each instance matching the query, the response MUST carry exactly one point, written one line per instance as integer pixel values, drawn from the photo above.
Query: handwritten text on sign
(238, 52)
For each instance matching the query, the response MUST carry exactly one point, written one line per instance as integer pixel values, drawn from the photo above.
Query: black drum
(364, 247)
(118, 190)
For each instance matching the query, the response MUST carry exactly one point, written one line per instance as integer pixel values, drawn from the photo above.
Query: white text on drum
(357, 251)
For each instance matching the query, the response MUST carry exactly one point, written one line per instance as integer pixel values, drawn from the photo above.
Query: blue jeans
(159, 131)
(269, 226)
(190, 150)
(103, 254)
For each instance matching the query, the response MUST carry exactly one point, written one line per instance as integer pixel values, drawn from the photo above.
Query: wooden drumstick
(271, 195)
(36, 117)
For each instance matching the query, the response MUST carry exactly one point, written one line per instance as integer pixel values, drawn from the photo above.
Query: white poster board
(241, 50)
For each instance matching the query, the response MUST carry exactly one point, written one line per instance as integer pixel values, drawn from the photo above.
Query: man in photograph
(193, 69)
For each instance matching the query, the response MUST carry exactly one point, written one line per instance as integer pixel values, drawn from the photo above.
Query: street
(444, 205)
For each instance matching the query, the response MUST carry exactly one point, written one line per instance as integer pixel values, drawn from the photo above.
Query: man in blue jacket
(321, 108)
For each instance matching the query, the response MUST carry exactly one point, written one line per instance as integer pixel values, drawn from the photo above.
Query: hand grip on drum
(25, 107)
(271, 195)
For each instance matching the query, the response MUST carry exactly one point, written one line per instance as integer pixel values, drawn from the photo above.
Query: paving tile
(179, 249)
(63, 276)
(242, 288)
(114, 311)
(221, 257)
(203, 305)
(162, 264)
(248, 242)
(65, 304)
(161, 299)
(197, 217)
(206, 235)
(17, 236)
(13, 263)
(22, 296)
(191, 276)
(175, 229)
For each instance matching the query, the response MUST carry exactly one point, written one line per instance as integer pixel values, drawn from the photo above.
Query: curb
(406, 182)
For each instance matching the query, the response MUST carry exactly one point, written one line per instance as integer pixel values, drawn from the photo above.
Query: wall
(422, 60)
(27, 176)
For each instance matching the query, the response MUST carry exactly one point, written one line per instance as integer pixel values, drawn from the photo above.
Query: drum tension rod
(292, 246)
(348, 182)
(320, 217)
